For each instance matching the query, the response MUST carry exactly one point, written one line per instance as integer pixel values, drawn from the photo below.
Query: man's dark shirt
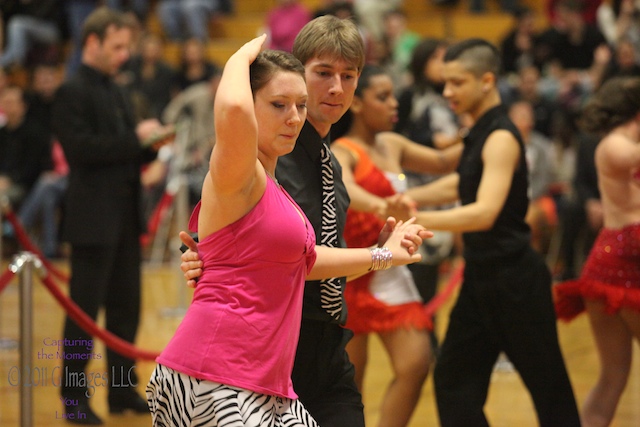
(555, 45)
(585, 180)
(510, 234)
(96, 128)
(25, 152)
(299, 172)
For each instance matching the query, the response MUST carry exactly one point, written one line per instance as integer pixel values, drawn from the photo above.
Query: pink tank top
(242, 326)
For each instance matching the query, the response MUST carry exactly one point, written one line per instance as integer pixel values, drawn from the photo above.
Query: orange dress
(366, 312)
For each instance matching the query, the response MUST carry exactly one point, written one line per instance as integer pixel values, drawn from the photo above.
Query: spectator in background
(76, 11)
(45, 80)
(327, 7)
(400, 42)
(185, 19)
(284, 22)
(148, 76)
(139, 7)
(571, 41)
(478, 6)
(27, 24)
(192, 112)
(371, 14)
(588, 10)
(423, 113)
(345, 10)
(517, 47)
(424, 117)
(540, 93)
(194, 67)
(623, 62)
(542, 215)
(4, 81)
(41, 208)
(103, 144)
(618, 19)
(582, 214)
(24, 147)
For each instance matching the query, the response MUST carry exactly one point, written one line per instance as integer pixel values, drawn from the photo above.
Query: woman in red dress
(609, 286)
(387, 304)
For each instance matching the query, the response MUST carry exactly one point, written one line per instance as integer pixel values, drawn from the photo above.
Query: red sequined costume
(366, 313)
(611, 273)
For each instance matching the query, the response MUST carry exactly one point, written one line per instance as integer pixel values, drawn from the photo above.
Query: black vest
(510, 234)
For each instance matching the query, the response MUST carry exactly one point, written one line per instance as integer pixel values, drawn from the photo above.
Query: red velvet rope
(156, 217)
(112, 341)
(83, 320)
(23, 238)
(454, 281)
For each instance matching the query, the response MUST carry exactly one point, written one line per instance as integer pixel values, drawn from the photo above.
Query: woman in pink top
(230, 361)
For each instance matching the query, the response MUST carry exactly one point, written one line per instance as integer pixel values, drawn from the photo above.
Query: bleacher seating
(424, 17)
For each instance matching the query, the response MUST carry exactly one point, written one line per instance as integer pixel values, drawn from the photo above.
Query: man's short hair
(100, 20)
(478, 56)
(330, 36)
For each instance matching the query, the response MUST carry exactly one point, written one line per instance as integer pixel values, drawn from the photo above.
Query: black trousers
(323, 375)
(103, 277)
(507, 306)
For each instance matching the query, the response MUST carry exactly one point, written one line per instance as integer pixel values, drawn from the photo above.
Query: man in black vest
(505, 302)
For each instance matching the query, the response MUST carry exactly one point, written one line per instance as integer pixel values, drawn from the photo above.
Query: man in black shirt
(103, 218)
(505, 302)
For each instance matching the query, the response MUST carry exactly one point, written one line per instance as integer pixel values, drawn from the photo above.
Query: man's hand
(400, 206)
(191, 265)
(412, 239)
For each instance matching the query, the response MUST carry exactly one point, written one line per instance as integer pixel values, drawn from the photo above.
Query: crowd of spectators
(548, 73)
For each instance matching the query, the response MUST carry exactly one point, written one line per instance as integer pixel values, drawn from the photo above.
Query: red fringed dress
(386, 300)
(611, 274)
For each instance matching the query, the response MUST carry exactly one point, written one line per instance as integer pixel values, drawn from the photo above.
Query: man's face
(13, 106)
(331, 83)
(462, 89)
(114, 50)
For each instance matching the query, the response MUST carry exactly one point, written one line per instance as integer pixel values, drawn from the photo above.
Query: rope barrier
(455, 279)
(26, 243)
(125, 348)
(83, 320)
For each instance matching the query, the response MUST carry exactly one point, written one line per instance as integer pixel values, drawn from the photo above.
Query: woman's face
(433, 67)
(281, 110)
(378, 104)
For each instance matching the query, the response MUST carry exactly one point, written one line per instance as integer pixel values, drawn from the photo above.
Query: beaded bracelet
(381, 258)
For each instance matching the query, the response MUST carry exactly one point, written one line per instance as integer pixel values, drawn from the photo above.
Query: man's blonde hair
(332, 37)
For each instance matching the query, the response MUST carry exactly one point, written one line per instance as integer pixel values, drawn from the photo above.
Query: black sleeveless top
(510, 234)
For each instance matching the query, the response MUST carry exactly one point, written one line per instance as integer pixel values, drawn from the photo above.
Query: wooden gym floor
(508, 403)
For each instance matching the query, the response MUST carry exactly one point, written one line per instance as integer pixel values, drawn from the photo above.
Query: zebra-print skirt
(178, 400)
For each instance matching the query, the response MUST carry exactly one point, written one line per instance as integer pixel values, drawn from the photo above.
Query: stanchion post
(25, 264)
(4, 206)
(5, 343)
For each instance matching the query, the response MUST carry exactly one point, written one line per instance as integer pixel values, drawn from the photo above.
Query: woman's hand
(253, 47)
(407, 234)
